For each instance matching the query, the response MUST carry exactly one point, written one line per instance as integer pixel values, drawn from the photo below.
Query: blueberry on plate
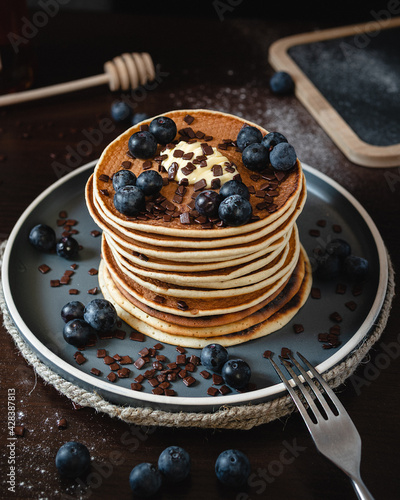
(145, 480)
(120, 111)
(142, 145)
(207, 203)
(356, 267)
(235, 210)
(248, 135)
(213, 357)
(123, 178)
(236, 373)
(281, 83)
(283, 156)
(163, 129)
(232, 468)
(139, 117)
(174, 464)
(339, 247)
(101, 315)
(129, 200)
(72, 310)
(270, 140)
(67, 247)
(43, 238)
(234, 187)
(77, 332)
(72, 459)
(150, 182)
(328, 265)
(255, 157)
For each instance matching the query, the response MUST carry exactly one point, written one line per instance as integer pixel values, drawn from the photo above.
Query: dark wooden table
(204, 62)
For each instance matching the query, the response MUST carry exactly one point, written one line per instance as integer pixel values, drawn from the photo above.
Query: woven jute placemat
(227, 417)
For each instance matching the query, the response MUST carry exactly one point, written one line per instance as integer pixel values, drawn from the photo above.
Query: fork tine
(293, 394)
(329, 392)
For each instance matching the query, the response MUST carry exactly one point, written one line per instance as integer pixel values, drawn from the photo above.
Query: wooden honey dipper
(124, 72)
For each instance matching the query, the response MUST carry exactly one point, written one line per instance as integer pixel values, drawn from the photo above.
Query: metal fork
(330, 426)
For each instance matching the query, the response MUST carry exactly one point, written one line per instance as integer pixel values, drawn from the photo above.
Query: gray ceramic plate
(35, 306)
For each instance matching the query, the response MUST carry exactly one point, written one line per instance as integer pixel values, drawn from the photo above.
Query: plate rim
(190, 401)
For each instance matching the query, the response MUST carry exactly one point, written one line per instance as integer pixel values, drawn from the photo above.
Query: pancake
(284, 313)
(218, 127)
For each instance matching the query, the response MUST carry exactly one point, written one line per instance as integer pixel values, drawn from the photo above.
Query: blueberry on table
(174, 464)
(235, 210)
(43, 238)
(120, 111)
(281, 83)
(139, 117)
(270, 140)
(101, 315)
(283, 156)
(213, 357)
(72, 459)
(129, 200)
(77, 332)
(150, 182)
(234, 187)
(164, 129)
(236, 373)
(123, 178)
(232, 468)
(67, 247)
(142, 145)
(356, 267)
(145, 480)
(72, 310)
(339, 247)
(248, 135)
(255, 157)
(207, 203)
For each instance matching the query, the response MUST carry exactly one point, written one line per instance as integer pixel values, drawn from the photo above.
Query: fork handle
(361, 489)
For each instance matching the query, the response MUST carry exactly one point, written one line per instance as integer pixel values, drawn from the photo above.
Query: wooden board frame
(355, 149)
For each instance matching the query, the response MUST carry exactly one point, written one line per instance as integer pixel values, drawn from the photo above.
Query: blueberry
(234, 187)
(236, 373)
(101, 315)
(77, 332)
(150, 182)
(129, 200)
(339, 247)
(248, 135)
(328, 266)
(283, 156)
(72, 459)
(235, 210)
(142, 145)
(272, 139)
(67, 247)
(163, 129)
(213, 357)
(281, 83)
(207, 203)
(232, 468)
(174, 464)
(43, 238)
(145, 480)
(255, 157)
(139, 117)
(72, 310)
(120, 111)
(123, 178)
(356, 267)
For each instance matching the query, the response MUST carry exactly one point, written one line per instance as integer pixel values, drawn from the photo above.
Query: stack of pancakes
(190, 280)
